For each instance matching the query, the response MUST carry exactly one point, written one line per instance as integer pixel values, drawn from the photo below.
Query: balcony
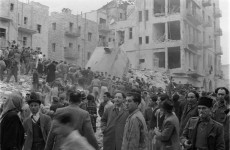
(194, 45)
(206, 3)
(5, 18)
(26, 29)
(219, 51)
(103, 28)
(207, 23)
(217, 13)
(194, 18)
(208, 44)
(194, 73)
(218, 32)
(72, 32)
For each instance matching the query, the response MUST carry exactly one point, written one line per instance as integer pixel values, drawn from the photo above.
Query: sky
(78, 6)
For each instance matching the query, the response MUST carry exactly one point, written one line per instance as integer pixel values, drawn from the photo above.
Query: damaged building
(178, 36)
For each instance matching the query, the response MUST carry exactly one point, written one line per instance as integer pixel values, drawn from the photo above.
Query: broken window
(174, 6)
(53, 47)
(159, 32)
(140, 16)
(39, 28)
(102, 21)
(174, 30)
(130, 33)
(2, 33)
(141, 61)
(146, 15)
(147, 39)
(159, 59)
(174, 57)
(24, 41)
(70, 45)
(159, 8)
(89, 36)
(25, 20)
(78, 48)
(54, 26)
(140, 40)
(11, 7)
(70, 26)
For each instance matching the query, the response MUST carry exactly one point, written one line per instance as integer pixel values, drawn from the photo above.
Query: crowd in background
(133, 114)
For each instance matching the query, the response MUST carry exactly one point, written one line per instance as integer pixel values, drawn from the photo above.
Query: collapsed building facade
(25, 23)
(179, 36)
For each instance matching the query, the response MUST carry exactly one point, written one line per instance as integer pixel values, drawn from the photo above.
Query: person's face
(152, 103)
(221, 94)
(34, 107)
(105, 98)
(204, 111)
(27, 97)
(158, 101)
(191, 97)
(130, 104)
(118, 99)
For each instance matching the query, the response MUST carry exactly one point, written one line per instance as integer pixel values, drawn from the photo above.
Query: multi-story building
(25, 23)
(180, 36)
(72, 38)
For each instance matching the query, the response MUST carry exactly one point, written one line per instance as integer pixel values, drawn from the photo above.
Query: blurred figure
(12, 131)
(72, 139)
(91, 107)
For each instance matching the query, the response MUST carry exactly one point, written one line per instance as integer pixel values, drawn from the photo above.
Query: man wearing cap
(36, 126)
(203, 133)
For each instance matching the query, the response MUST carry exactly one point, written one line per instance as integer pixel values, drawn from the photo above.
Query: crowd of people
(65, 102)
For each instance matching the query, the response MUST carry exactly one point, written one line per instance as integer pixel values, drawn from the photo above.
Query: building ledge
(72, 33)
(194, 74)
(5, 18)
(26, 30)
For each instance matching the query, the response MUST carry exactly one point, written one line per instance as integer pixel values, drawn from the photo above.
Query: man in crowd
(80, 122)
(203, 133)
(112, 123)
(105, 104)
(135, 132)
(219, 114)
(37, 126)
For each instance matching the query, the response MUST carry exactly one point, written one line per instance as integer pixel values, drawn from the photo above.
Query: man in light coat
(135, 132)
(113, 123)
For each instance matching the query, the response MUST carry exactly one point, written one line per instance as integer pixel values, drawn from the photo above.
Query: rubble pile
(23, 85)
(157, 78)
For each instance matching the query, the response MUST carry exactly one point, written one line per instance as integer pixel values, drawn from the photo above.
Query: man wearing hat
(202, 132)
(36, 126)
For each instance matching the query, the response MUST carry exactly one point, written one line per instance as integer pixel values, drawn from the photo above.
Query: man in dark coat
(81, 122)
(113, 123)
(51, 72)
(203, 132)
(13, 71)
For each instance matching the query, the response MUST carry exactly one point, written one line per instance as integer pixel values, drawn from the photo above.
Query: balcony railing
(206, 3)
(194, 73)
(195, 18)
(103, 28)
(217, 13)
(207, 23)
(72, 32)
(218, 32)
(26, 29)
